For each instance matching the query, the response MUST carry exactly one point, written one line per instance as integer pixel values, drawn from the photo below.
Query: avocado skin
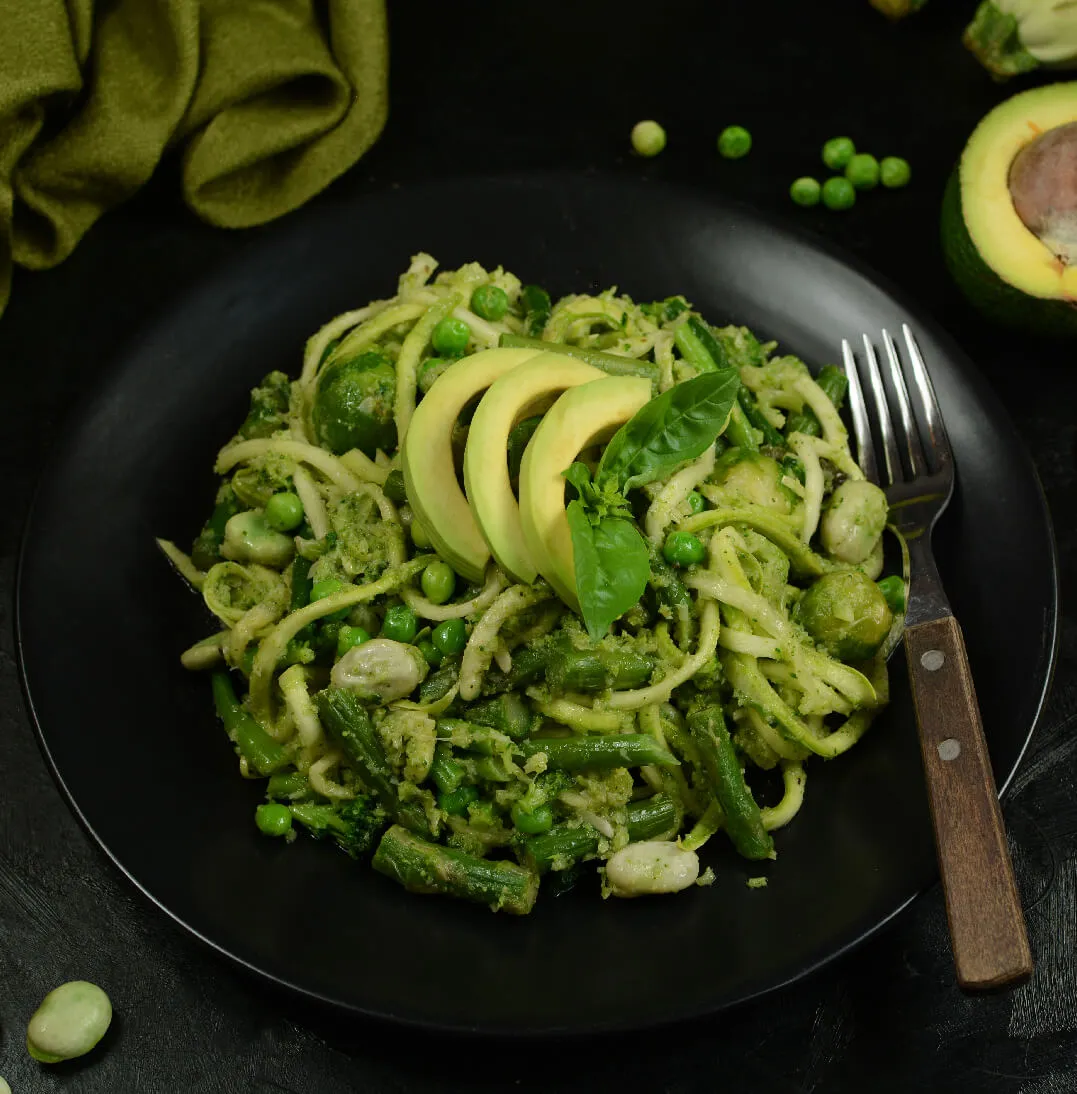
(985, 290)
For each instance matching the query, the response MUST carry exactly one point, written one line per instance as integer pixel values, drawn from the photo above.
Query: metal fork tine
(886, 425)
(936, 428)
(865, 449)
(917, 463)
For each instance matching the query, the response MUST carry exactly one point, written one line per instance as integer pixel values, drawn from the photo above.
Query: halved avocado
(427, 459)
(1009, 219)
(519, 394)
(583, 416)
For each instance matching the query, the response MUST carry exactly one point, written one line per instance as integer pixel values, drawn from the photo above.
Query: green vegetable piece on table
(806, 191)
(450, 336)
(71, 1020)
(894, 172)
(863, 171)
(837, 152)
(353, 405)
(490, 302)
(838, 194)
(648, 138)
(734, 142)
(1011, 37)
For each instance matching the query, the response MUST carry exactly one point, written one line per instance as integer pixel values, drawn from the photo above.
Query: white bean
(70, 1021)
(651, 866)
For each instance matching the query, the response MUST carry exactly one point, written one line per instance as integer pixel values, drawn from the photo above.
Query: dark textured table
(474, 89)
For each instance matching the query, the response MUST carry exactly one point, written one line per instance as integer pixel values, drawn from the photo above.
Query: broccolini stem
(743, 821)
(263, 754)
(694, 351)
(608, 362)
(424, 867)
(601, 753)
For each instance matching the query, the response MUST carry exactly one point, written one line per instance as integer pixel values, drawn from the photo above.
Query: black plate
(134, 745)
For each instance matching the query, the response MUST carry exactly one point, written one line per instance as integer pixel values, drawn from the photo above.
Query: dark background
(479, 88)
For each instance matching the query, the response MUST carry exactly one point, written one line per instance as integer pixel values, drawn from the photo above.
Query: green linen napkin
(268, 101)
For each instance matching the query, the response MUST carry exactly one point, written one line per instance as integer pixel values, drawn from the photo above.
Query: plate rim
(300, 225)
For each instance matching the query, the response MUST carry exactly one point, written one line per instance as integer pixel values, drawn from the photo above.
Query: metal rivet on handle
(933, 660)
(949, 749)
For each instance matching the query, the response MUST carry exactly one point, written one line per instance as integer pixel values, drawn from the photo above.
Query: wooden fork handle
(987, 925)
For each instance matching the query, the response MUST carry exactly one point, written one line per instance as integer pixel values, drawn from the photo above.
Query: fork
(983, 907)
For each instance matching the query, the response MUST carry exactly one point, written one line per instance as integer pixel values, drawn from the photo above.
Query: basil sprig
(611, 557)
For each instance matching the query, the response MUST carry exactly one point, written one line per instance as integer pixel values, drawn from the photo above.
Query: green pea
(805, 191)
(400, 623)
(273, 819)
(648, 138)
(284, 511)
(70, 1021)
(734, 142)
(450, 637)
(327, 587)
(683, 549)
(837, 152)
(893, 590)
(490, 302)
(455, 802)
(863, 171)
(430, 370)
(438, 582)
(894, 172)
(450, 336)
(350, 637)
(393, 487)
(419, 535)
(532, 822)
(696, 502)
(838, 194)
(321, 589)
(431, 654)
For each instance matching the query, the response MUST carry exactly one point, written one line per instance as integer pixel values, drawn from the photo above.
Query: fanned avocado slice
(1009, 221)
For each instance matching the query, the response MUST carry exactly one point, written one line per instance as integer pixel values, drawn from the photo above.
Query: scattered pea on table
(806, 191)
(734, 142)
(70, 1021)
(894, 172)
(837, 152)
(863, 171)
(273, 819)
(648, 138)
(838, 193)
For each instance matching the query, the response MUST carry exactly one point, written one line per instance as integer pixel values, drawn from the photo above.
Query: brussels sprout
(854, 520)
(755, 478)
(381, 670)
(846, 614)
(248, 538)
(353, 406)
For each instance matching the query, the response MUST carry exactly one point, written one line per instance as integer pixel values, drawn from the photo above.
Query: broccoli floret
(355, 825)
(269, 407)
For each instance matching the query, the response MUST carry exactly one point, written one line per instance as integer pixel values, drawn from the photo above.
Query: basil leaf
(612, 567)
(580, 477)
(679, 425)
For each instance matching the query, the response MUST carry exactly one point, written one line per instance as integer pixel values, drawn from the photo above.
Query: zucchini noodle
(477, 739)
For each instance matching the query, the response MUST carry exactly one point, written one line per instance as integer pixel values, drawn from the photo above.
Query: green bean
(349, 724)
(263, 754)
(589, 670)
(698, 347)
(651, 817)
(424, 867)
(607, 362)
(528, 664)
(834, 384)
(439, 683)
(600, 753)
(445, 771)
(743, 821)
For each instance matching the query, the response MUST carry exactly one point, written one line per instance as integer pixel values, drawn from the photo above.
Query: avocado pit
(1043, 186)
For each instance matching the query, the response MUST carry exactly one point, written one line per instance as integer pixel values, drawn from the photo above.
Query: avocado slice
(519, 394)
(1009, 219)
(581, 417)
(427, 459)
